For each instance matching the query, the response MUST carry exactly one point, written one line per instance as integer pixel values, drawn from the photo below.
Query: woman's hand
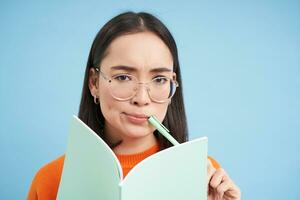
(220, 186)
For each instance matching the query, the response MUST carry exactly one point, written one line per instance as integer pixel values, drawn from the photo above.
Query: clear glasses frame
(173, 86)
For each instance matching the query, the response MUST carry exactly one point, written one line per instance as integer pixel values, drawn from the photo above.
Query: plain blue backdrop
(240, 66)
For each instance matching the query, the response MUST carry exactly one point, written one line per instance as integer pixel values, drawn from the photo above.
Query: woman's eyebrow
(123, 67)
(161, 69)
(133, 69)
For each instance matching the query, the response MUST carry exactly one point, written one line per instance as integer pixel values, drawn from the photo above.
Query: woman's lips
(136, 118)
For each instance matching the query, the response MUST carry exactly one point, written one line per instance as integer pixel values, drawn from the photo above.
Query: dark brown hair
(128, 23)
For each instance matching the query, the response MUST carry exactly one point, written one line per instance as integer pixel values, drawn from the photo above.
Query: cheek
(161, 111)
(107, 103)
(111, 108)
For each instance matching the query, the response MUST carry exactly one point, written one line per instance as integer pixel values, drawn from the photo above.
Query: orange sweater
(46, 181)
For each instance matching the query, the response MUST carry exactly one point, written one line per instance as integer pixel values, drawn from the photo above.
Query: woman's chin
(137, 134)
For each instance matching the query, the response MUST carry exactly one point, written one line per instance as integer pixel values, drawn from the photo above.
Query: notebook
(92, 171)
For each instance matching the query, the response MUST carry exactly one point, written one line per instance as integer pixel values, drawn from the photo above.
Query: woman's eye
(160, 80)
(122, 77)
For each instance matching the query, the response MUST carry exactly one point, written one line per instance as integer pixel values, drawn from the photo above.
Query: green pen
(162, 129)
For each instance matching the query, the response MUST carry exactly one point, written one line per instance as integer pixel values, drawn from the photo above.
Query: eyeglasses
(125, 86)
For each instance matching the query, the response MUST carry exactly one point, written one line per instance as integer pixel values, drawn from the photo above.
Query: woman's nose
(141, 96)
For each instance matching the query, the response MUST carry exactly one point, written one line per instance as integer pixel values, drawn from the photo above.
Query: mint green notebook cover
(92, 171)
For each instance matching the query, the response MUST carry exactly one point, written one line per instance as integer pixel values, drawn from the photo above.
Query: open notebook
(92, 171)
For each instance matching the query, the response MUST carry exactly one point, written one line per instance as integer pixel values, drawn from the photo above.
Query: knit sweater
(46, 181)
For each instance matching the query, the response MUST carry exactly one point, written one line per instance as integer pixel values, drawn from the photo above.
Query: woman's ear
(93, 82)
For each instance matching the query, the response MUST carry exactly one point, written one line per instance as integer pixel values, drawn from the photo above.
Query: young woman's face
(145, 56)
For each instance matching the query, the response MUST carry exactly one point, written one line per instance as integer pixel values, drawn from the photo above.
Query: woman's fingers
(210, 170)
(219, 176)
(220, 186)
(223, 187)
(229, 189)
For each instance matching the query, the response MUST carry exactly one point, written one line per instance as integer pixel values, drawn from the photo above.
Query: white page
(91, 170)
(177, 173)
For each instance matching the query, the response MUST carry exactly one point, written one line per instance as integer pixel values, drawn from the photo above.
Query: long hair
(128, 23)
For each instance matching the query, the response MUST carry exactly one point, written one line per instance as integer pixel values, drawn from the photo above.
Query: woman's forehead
(137, 50)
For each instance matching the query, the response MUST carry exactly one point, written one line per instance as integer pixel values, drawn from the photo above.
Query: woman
(133, 72)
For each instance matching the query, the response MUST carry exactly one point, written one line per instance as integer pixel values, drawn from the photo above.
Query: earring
(96, 100)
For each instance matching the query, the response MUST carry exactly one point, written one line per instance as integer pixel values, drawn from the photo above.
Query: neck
(135, 145)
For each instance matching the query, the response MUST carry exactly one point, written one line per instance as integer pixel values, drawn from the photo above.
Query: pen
(162, 129)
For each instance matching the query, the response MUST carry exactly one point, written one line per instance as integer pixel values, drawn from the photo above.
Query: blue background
(240, 65)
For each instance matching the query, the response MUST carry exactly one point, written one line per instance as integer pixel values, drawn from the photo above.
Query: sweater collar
(128, 160)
